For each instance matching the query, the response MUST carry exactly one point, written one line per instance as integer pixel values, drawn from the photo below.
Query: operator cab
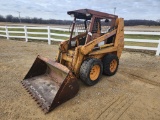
(89, 25)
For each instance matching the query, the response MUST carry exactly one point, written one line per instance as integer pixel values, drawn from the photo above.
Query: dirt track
(133, 93)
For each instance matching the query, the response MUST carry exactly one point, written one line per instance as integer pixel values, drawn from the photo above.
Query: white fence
(157, 49)
(6, 31)
(27, 35)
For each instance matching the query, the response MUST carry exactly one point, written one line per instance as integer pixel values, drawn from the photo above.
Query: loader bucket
(50, 83)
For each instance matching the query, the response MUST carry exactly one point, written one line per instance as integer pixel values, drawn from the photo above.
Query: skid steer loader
(94, 47)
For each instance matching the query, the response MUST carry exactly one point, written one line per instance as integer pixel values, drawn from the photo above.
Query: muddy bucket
(50, 83)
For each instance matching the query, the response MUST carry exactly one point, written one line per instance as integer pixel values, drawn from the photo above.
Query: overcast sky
(57, 9)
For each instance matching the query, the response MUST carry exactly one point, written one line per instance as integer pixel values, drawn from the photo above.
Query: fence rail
(157, 49)
(141, 33)
(8, 31)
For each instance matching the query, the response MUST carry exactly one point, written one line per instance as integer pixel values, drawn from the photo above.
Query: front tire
(91, 71)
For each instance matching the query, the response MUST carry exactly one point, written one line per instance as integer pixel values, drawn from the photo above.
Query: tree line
(142, 22)
(10, 18)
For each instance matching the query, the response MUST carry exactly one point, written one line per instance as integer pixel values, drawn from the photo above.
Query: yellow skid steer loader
(94, 47)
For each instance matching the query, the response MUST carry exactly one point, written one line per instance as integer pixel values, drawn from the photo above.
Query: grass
(141, 44)
(2, 33)
(15, 29)
(34, 30)
(2, 29)
(60, 32)
(151, 37)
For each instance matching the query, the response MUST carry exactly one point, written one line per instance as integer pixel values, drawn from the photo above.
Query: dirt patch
(133, 93)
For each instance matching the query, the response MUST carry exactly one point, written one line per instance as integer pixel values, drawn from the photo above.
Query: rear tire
(110, 64)
(91, 71)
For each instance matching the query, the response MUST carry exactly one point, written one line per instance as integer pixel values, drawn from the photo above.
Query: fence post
(49, 35)
(26, 35)
(7, 34)
(76, 32)
(158, 49)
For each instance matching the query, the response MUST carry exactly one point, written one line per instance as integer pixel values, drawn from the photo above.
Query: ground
(131, 94)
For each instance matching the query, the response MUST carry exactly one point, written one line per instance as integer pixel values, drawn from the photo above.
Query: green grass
(16, 34)
(34, 30)
(2, 33)
(60, 32)
(59, 37)
(150, 37)
(141, 44)
(3, 29)
(15, 29)
(34, 35)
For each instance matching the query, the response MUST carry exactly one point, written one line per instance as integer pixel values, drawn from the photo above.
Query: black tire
(107, 61)
(86, 68)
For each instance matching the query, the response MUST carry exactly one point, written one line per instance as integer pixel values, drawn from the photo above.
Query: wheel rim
(94, 73)
(113, 65)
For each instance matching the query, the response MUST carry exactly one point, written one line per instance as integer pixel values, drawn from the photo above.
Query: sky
(57, 9)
